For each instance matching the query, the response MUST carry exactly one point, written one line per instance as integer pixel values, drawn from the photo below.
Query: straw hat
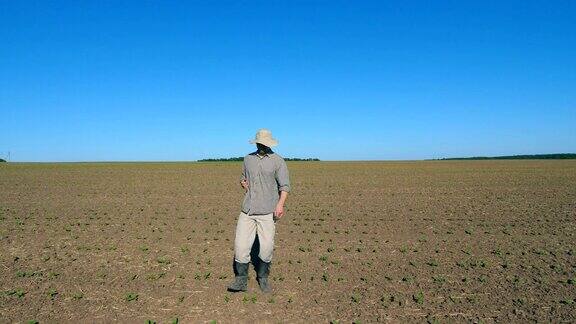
(264, 137)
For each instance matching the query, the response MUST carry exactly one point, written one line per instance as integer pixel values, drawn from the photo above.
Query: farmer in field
(266, 182)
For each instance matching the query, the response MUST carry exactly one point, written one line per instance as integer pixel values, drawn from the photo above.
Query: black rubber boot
(240, 282)
(262, 276)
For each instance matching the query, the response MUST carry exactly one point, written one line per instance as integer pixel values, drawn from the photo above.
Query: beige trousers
(246, 230)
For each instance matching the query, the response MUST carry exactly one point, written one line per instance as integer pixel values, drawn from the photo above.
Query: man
(266, 184)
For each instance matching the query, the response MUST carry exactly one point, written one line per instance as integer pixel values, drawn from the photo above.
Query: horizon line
(479, 157)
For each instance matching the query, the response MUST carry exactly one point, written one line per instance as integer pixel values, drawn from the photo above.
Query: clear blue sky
(337, 80)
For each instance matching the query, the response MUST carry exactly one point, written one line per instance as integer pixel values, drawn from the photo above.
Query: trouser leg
(245, 235)
(266, 229)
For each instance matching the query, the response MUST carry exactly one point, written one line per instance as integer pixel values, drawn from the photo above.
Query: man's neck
(263, 153)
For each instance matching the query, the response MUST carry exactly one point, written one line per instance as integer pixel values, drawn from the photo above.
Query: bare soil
(447, 241)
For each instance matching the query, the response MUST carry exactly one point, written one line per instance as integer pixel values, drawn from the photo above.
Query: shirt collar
(265, 154)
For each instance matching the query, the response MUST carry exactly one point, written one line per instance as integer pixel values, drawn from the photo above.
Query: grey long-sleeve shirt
(266, 175)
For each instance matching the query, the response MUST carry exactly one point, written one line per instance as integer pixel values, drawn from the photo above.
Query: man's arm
(283, 180)
(279, 211)
(243, 179)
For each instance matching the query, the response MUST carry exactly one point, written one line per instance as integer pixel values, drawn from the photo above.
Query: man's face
(262, 149)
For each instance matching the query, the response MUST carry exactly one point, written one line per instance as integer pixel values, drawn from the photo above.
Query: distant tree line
(241, 158)
(560, 156)
(299, 159)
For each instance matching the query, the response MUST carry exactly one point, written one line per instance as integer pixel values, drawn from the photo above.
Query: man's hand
(279, 211)
(244, 184)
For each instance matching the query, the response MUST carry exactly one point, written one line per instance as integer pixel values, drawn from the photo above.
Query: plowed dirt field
(361, 241)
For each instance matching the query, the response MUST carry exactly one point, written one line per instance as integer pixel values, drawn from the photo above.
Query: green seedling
(52, 293)
(418, 298)
(53, 274)
(18, 293)
(432, 263)
(131, 296)
(439, 279)
(163, 260)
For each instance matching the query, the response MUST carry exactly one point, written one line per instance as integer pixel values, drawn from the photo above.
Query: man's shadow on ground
(254, 258)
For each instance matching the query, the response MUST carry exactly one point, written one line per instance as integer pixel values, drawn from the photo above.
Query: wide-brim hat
(264, 137)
